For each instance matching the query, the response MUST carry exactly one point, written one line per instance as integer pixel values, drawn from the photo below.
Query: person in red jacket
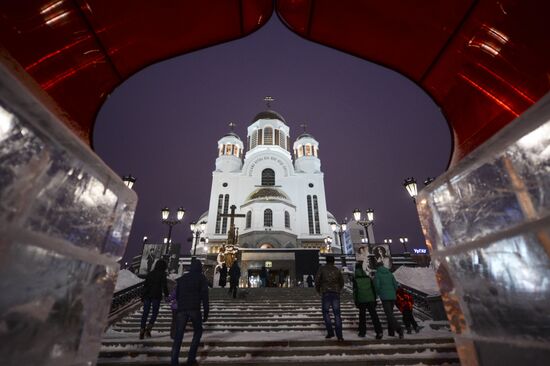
(404, 302)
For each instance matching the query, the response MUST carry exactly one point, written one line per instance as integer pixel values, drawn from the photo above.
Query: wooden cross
(231, 234)
(232, 215)
(268, 101)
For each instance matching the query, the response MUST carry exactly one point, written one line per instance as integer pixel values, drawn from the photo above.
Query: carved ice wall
(64, 222)
(487, 224)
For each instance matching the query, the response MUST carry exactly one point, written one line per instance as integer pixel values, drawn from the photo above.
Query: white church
(279, 188)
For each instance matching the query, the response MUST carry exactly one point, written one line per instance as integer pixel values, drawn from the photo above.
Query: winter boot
(141, 333)
(148, 331)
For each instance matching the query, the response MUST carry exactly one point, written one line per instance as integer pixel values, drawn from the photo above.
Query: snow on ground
(420, 278)
(294, 335)
(126, 279)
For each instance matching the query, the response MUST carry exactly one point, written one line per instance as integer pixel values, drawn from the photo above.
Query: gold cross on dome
(304, 125)
(232, 126)
(268, 101)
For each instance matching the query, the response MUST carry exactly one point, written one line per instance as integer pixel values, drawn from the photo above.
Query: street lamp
(165, 213)
(411, 187)
(328, 240)
(197, 230)
(335, 229)
(387, 241)
(129, 180)
(404, 241)
(369, 220)
(428, 181)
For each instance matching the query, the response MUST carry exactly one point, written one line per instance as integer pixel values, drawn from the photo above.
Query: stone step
(278, 351)
(247, 328)
(427, 351)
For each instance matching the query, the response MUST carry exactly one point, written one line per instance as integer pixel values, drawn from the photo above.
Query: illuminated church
(279, 189)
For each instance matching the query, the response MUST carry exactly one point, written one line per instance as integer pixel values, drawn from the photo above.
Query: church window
(236, 150)
(287, 220)
(254, 139)
(225, 211)
(300, 151)
(315, 151)
(277, 137)
(316, 215)
(310, 185)
(268, 136)
(220, 150)
(218, 217)
(228, 149)
(268, 177)
(282, 140)
(310, 214)
(288, 143)
(308, 150)
(268, 218)
(249, 147)
(224, 185)
(260, 141)
(248, 219)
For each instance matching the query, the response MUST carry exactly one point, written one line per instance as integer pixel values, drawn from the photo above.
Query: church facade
(278, 188)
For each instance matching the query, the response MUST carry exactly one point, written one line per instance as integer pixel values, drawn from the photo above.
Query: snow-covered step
(274, 331)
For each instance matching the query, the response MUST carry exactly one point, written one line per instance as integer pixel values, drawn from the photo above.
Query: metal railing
(428, 305)
(125, 300)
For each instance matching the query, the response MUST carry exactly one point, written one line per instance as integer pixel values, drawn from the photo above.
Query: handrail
(125, 296)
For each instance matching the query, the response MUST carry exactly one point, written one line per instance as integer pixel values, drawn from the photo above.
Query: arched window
(287, 220)
(248, 219)
(268, 136)
(268, 218)
(277, 137)
(254, 139)
(268, 177)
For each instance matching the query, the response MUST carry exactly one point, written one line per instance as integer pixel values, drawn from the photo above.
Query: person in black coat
(191, 292)
(263, 277)
(234, 276)
(153, 288)
(223, 276)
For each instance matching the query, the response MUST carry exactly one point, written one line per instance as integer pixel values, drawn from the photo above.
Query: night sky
(374, 126)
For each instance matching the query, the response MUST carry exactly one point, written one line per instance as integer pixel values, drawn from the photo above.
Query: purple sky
(374, 126)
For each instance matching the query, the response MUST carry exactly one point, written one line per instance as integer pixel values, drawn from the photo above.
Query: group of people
(191, 293)
(329, 283)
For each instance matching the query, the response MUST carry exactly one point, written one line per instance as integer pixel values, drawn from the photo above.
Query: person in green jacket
(365, 298)
(386, 287)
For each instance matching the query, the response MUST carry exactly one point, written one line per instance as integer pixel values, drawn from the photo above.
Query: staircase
(276, 327)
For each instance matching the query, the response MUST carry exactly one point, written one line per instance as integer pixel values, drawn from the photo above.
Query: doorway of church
(275, 278)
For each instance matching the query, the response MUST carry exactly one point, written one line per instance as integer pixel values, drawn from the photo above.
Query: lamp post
(328, 240)
(404, 242)
(369, 220)
(336, 230)
(165, 213)
(411, 187)
(428, 181)
(197, 230)
(129, 180)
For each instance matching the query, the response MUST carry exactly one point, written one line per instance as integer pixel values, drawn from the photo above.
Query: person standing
(234, 276)
(386, 287)
(282, 278)
(309, 280)
(365, 298)
(405, 303)
(191, 292)
(223, 275)
(153, 288)
(263, 277)
(329, 283)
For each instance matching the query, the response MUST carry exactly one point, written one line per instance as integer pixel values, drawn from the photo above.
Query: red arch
(484, 62)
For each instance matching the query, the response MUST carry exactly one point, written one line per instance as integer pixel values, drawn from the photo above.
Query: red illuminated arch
(484, 62)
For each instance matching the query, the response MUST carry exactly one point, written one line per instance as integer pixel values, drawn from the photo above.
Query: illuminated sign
(268, 264)
(420, 251)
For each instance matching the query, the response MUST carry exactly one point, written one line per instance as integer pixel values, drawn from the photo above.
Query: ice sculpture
(64, 222)
(487, 224)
